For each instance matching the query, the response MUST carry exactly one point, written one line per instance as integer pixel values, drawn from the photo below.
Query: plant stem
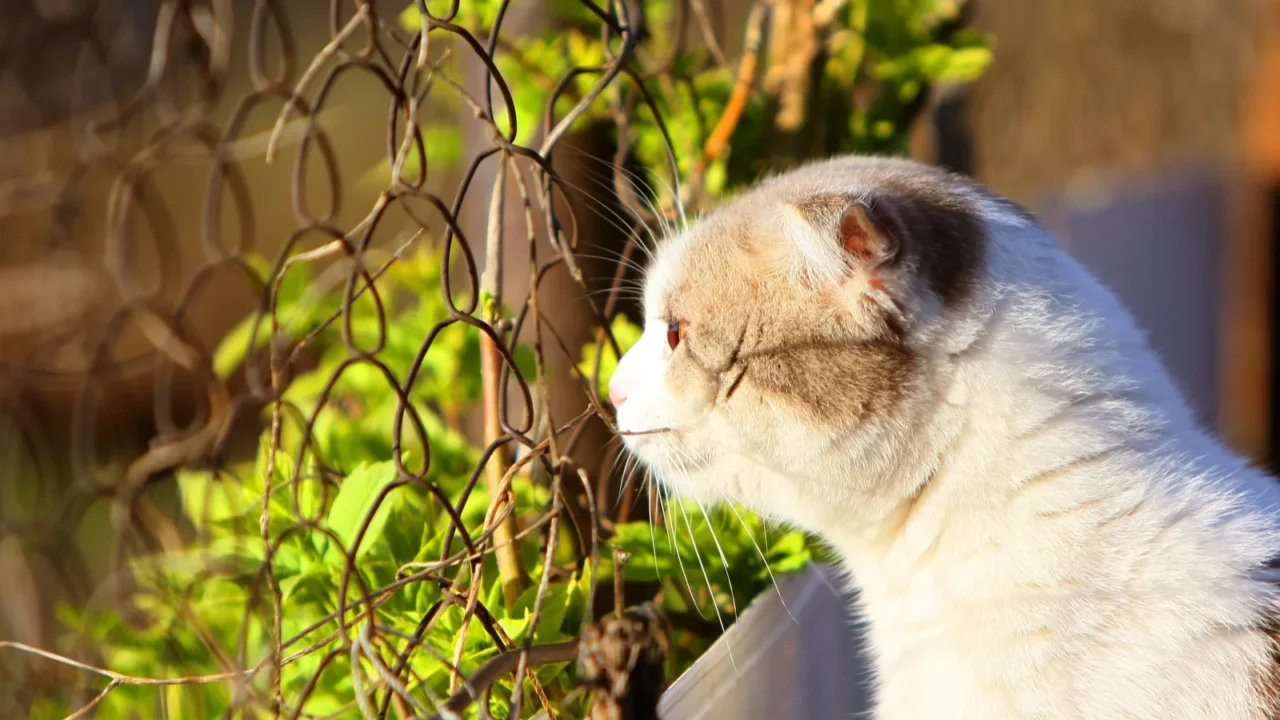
(510, 572)
(724, 128)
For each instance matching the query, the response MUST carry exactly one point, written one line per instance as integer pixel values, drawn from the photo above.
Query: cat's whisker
(611, 217)
(663, 223)
(627, 227)
(675, 550)
(628, 474)
(746, 528)
(623, 290)
(733, 596)
(631, 264)
(591, 195)
(641, 185)
(706, 577)
(763, 559)
(617, 456)
(607, 187)
(649, 252)
(611, 256)
(625, 285)
(676, 201)
(649, 485)
(618, 255)
(624, 293)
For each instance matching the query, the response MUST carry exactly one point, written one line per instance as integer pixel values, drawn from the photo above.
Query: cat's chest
(945, 669)
(1060, 655)
(938, 655)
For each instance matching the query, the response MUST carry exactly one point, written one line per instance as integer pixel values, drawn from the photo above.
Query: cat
(903, 363)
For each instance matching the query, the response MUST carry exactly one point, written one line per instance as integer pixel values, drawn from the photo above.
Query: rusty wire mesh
(143, 87)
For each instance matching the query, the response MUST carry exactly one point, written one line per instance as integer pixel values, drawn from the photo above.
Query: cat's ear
(846, 236)
(868, 240)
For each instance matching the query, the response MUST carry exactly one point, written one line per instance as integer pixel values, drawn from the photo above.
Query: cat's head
(788, 334)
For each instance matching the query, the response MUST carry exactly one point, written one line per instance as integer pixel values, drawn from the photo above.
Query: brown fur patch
(821, 208)
(835, 382)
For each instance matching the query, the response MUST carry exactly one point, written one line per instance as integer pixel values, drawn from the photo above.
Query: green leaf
(410, 18)
(493, 599)
(555, 605)
(296, 312)
(356, 498)
(428, 594)
(965, 65)
(315, 579)
(650, 556)
(790, 553)
(205, 500)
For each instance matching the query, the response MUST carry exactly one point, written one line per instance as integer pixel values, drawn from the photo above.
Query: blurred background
(1145, 133)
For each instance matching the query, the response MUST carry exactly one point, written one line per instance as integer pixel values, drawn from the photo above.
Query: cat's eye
(675, 333)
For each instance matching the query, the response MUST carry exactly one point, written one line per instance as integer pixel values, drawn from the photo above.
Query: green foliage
(372, 523)
(693, 541)
(894, 48)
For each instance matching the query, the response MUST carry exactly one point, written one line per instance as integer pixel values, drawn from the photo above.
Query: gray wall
(1159, 246)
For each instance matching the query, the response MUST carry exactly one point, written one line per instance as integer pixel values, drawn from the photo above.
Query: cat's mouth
(635, 433)
(637, 439)
(650, 443)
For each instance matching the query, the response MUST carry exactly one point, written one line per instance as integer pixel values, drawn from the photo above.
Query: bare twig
(504, 664)
(328, 51)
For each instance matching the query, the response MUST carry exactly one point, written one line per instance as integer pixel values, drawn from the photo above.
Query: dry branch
(724, 128)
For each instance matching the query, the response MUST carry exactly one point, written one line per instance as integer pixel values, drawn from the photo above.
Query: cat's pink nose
(616, 394)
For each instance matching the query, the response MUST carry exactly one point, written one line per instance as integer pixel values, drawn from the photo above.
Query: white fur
(1042, 532)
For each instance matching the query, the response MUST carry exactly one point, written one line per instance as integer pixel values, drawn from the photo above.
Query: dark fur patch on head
(945, 239)
(935, 217)
(940, 237)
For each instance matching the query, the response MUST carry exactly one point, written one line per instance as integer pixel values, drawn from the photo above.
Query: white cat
(911, 368)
